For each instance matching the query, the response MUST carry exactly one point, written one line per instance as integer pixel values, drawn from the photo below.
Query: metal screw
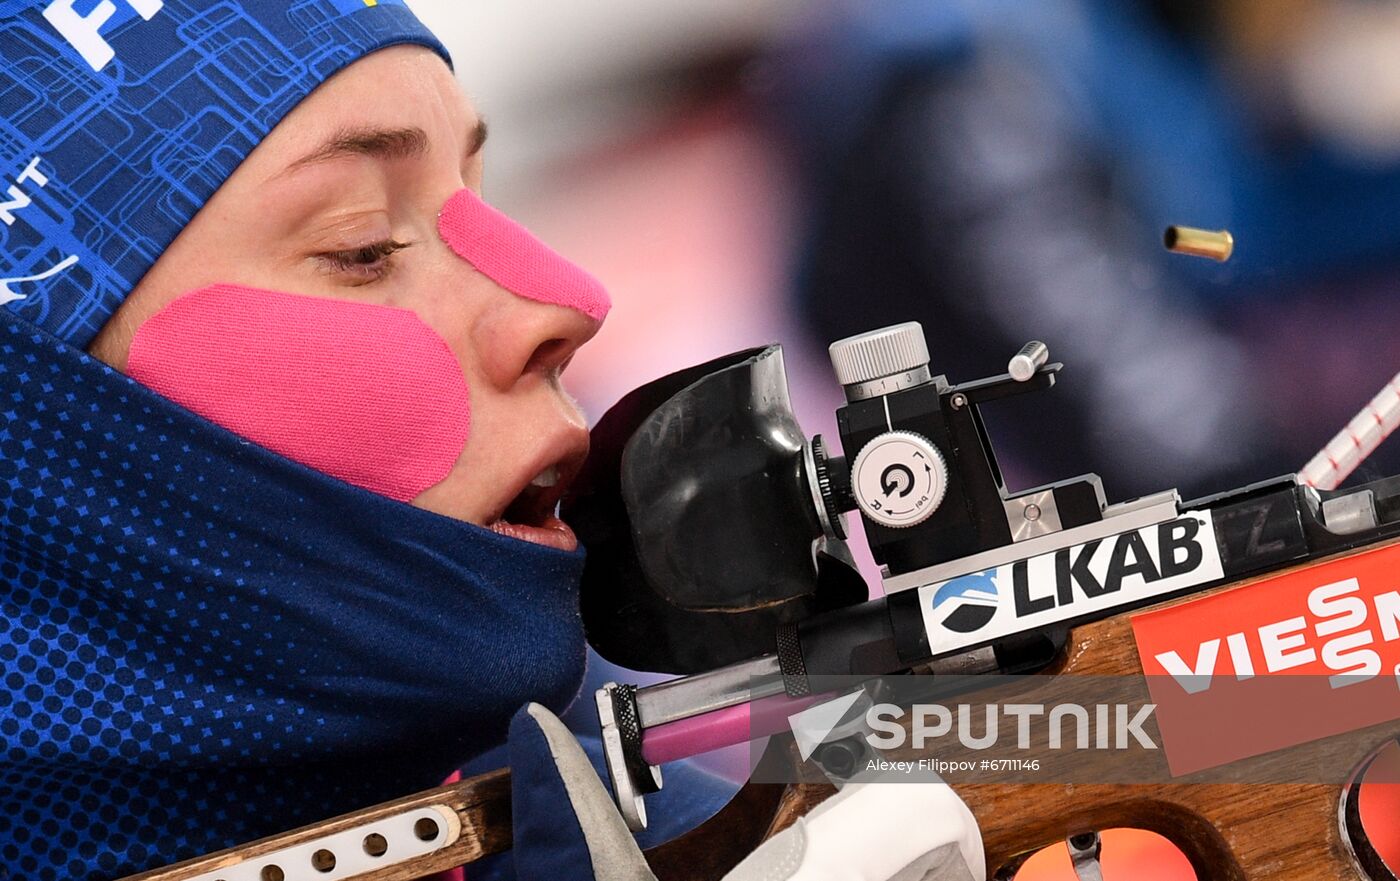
(1032, 513)
(958, 401)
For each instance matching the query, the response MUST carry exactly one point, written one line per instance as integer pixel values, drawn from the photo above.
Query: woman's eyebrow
(382, 143)
(477, 140)
(378, 143)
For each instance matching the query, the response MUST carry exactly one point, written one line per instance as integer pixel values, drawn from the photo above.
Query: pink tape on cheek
(365, 393)
(506, 252)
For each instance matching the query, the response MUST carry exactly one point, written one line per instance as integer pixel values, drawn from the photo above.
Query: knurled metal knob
(897, 354)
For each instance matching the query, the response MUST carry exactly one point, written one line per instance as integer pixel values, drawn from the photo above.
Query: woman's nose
(556, 305)
(508, 254)
(536, 339)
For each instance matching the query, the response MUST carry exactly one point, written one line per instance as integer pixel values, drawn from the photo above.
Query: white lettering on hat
(9, 295)
(17, 197)
(84, 32)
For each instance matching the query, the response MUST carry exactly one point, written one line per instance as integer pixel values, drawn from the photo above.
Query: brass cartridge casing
(1215, 244)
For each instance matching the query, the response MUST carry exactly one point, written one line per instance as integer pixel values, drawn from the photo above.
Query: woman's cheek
(366, 393)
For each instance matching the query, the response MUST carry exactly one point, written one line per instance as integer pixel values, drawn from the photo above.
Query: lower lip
(553, 533)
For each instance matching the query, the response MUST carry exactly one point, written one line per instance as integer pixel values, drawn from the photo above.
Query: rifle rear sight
(920, 466)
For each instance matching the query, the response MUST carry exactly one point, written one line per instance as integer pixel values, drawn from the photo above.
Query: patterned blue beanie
(120, 118)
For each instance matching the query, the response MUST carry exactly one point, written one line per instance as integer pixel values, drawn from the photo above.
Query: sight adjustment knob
(899, 479)
(881, 361)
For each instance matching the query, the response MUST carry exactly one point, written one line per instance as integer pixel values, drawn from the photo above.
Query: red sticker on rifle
(1284, 661)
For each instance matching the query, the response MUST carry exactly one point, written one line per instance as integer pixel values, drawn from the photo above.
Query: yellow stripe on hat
(371, 2)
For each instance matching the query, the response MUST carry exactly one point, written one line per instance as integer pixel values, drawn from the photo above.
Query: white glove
(875, 832)
(878, 831)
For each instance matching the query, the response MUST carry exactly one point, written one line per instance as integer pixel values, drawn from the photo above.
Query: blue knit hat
(120, 118)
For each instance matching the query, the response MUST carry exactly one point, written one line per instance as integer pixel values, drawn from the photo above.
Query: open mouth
(533, 514)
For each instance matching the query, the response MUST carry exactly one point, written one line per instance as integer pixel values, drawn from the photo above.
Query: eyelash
(369, 263)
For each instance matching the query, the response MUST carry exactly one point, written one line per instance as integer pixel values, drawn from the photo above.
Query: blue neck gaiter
(201, 642)
(204, 643)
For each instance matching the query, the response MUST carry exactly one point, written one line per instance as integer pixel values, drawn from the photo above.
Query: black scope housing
(974, 515)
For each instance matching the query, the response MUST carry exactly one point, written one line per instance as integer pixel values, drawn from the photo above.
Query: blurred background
(744, 171)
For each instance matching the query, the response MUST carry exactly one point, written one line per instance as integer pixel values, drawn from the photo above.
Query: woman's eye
(368, 263)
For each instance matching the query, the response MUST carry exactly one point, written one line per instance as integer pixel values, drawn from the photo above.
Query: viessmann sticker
(1095, 577)
(1284, 661)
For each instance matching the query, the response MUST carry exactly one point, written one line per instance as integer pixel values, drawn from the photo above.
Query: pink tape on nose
(508, 254)
(365, 393)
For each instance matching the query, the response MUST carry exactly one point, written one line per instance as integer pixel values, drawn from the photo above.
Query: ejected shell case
(1215, 244)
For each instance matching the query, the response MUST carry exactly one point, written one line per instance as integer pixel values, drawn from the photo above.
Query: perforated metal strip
(373, 846)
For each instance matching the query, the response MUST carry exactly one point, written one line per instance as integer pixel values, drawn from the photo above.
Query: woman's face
(341, 201)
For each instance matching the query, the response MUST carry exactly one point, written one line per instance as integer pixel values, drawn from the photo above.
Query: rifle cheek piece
(698, 515)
